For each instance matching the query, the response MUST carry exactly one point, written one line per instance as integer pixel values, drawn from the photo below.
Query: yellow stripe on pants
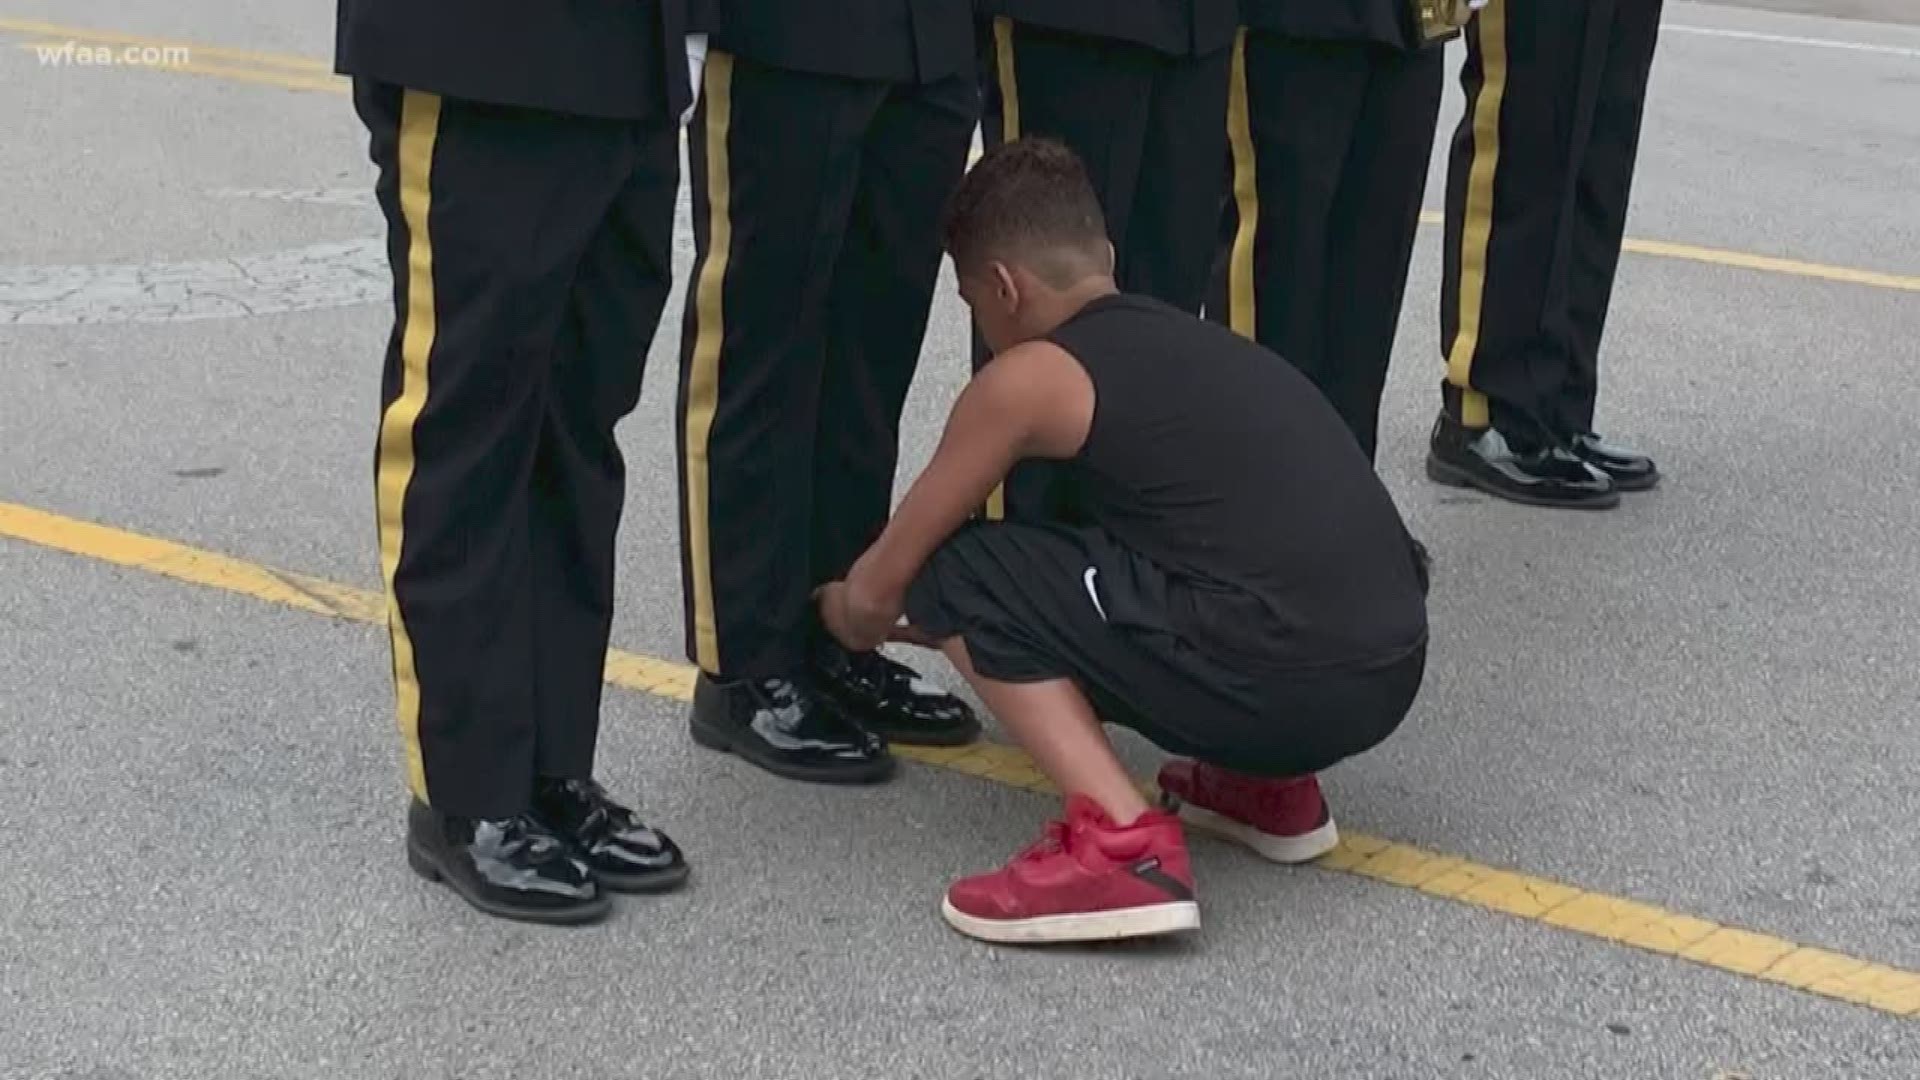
(703, 376)
(1009, 78)
(1241, 315)
(1009, 131)
(419, 132)
(1476, 231)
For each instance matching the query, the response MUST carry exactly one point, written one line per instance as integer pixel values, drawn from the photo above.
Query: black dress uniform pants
(817, 207)
(1330, 143)
(1537, 194)
(531, 260)
(1147, 127)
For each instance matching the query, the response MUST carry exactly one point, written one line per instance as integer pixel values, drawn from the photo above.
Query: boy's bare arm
(1034, 401)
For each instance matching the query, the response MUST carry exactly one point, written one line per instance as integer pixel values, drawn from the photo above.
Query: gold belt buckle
(1440, 20)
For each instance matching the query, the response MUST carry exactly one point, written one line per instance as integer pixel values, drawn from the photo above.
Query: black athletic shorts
(1039, 602)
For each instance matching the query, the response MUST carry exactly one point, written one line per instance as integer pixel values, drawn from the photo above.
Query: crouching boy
(1235, 583)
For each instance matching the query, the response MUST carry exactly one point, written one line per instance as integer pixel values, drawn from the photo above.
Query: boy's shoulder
(1145, 317)
(1155, 325)
(1040, 389)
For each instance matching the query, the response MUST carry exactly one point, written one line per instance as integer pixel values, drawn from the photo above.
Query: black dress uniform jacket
(1176, 27)
(1383, 22)
(622, 59)
(901, 41)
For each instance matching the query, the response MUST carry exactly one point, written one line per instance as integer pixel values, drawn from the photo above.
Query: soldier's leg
(883, 283)
(1291, 119)
(579, 484)
(1375, 217)
(1509, 228)
(776, 161)
(915, 152)
(1091, 94)
(1179, 176)
(490, 211)
(579, 475)
(1509, 213)
(1602, 191)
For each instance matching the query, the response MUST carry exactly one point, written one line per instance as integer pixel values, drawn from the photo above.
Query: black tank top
(1222, 466)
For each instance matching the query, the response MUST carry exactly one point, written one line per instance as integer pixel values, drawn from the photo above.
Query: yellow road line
(1748, 261)
(1593, 915)
(1773, 265)
(183, 563)
(326, 85)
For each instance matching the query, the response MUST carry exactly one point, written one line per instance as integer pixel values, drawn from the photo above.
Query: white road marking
(360, 198)
(1787, 39)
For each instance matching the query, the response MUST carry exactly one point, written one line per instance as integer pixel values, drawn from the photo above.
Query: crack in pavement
(317, 276)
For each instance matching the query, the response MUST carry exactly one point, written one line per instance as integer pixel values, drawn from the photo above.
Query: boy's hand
(858, 619)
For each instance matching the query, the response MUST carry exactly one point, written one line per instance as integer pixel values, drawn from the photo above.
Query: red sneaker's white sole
(1291, 850)
(1168, 918)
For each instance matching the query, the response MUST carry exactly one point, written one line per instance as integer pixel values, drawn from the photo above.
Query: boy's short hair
(1029, 201)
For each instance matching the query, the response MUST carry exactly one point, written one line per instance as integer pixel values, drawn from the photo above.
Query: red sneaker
(1087, 879)
(1285, 820)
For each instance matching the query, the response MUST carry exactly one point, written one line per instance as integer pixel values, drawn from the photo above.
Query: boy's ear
(1004, 286)
(1113, 258)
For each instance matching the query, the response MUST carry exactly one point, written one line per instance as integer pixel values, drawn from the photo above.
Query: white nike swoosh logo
(1094, 572)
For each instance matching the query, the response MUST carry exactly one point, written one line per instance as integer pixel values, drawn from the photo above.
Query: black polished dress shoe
(1630, 469)
(892, 700)
(1482, 458)
(513, 868)
(621, 852)
(781, 726)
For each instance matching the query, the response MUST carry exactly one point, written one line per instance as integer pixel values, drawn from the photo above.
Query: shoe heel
(709, 738)
(420, 864)
(1441, 473)
(1286, 850)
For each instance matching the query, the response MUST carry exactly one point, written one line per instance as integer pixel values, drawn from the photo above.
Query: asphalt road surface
(1703, 701)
